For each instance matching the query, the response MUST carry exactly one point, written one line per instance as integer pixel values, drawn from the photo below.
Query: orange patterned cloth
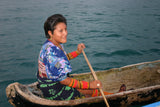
(97, 93)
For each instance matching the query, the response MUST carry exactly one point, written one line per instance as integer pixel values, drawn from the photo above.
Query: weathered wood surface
(143, 79)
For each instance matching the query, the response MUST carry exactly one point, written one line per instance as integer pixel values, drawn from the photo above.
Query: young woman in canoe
(54, 65)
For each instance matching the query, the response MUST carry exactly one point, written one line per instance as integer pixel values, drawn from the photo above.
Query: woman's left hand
(80, 47)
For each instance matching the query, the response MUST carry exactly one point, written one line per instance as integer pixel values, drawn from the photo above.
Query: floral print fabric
(53, 63)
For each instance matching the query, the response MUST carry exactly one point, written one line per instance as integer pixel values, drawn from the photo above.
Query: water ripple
(114, 35)
(102, 54)
(126, 52)
(157, 42)
(2, 34)
(155, 51)
(28, 64)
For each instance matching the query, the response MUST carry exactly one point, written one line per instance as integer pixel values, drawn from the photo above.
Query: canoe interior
(133, 76)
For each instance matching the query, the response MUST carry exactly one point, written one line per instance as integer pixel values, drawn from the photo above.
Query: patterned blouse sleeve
(57, 64)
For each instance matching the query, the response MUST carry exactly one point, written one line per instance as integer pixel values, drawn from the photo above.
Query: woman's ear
(50, 33)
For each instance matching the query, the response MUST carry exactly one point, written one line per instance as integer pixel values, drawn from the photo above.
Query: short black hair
(52, 21)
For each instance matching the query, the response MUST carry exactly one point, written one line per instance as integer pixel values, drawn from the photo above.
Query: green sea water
(116, 33)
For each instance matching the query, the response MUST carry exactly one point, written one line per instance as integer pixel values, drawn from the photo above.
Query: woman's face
(60, 34)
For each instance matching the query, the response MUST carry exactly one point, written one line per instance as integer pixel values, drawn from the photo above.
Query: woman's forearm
(75, 83)
(72, 55)
(81, 84)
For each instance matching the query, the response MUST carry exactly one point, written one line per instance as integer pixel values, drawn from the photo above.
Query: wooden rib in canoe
(142, 81)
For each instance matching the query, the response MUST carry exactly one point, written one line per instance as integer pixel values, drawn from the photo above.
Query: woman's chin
(64, 41)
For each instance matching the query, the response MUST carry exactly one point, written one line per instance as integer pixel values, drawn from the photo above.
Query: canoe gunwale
(35, 99)
(42, 101)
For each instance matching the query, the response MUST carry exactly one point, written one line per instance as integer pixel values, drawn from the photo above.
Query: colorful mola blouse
(53, 63)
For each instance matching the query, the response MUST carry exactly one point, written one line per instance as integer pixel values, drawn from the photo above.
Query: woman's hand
(80, 47)
(95, 84)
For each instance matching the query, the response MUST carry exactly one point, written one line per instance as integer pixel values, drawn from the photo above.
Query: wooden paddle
(95, 77)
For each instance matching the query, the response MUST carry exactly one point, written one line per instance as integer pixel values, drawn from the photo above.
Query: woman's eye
(61, 31)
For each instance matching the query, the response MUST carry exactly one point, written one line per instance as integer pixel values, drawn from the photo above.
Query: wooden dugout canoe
(142, 81)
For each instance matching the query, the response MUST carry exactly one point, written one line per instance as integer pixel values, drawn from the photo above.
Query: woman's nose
(65, 32)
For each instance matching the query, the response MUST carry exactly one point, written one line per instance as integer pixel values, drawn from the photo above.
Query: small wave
(70, 45)
(6, 82)
(27, 80)
(28, 46)
(99, 13)
(21, 59)
(94, 31)
(2, 34)
(101, 54)
(28, 64)
(114, 35)
(20, 19)
(91, 20)
(127, 52)
(156, 15)
(157, 42)
(155, 51)
(83, 13)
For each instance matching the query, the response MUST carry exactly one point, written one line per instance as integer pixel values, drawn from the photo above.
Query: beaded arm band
(72, 54)
(80, 84)
(96, 93)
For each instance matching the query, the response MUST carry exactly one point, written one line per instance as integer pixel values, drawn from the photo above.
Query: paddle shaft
(95, 77)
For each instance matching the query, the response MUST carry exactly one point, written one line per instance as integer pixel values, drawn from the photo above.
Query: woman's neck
(55, 43)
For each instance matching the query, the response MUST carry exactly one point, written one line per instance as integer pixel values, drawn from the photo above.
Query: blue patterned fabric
(53, 63)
